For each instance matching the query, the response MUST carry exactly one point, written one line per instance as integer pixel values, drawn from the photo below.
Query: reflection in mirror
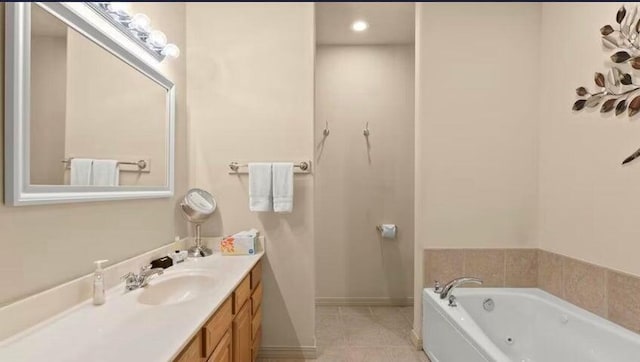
(92, 112)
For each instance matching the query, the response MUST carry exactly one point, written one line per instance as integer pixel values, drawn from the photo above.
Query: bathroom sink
(176, 288)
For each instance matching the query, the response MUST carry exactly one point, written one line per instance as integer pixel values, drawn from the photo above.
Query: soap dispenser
(98, 283)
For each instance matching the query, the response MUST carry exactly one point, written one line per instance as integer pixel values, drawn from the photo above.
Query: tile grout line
(504, 268)
(464, 262)
(605, 293)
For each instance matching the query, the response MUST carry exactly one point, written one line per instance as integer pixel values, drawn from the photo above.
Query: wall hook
(366, 130)
(326, 129)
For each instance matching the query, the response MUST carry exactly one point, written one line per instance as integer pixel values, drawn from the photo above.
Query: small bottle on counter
(98, 283)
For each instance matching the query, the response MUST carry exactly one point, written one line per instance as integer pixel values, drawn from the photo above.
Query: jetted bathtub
(520, 325)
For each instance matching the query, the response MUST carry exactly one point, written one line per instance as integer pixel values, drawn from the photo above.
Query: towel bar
(141, 165)
(304, 166)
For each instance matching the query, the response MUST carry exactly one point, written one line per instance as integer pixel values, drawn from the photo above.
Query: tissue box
(242, 243)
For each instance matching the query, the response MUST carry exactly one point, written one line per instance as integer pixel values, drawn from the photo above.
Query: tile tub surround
(608, 293)
(496, 267)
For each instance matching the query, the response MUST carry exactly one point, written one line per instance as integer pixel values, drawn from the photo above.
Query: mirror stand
(197, 206)
(199, 250)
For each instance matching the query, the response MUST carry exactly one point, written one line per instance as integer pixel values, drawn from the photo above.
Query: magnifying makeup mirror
(198, 205)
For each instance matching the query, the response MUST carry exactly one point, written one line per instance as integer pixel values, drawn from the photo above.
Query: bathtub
(525, 325)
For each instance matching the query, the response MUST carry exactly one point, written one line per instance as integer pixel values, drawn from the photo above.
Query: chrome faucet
(133, 281)
(449, 287)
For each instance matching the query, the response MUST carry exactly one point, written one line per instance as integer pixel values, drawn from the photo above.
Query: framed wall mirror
(86, 119)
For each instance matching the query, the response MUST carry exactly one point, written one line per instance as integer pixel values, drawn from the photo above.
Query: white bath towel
(80, 171)
(105, 173)
(283, 187)
(260, 192)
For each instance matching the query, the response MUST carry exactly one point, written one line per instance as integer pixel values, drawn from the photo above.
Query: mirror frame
(18, 190)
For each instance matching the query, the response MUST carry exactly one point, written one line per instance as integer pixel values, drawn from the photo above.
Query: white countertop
(123, 329)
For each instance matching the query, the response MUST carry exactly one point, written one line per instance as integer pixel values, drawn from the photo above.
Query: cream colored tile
(623, 293)
(486, 264)
(386, 311)
(330, 335)
(390, 317)
(370, 334)
(395, 337)
(406, 354)
(368, 354)
(521, 268)
(408, 314)
(328, 320)
(358, 321)
(332, 354)
(442, 265)
(354, 310)
(584, 285)
(364, 336)
(550, 272)
(327, 310)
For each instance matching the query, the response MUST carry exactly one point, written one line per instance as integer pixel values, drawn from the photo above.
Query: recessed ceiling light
(359, 25)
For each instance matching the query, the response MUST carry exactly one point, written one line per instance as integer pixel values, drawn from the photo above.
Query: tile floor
(354, 334)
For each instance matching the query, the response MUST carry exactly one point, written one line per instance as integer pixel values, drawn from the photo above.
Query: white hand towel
(283, 187)
(260, 192)
(106, 173)
(81, 171)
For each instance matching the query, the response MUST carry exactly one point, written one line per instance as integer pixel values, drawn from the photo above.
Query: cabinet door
(241, 294)
(193, 351)
(224, 350)
(256, 275)
(255, 350)
(217, 326)
(242, 335)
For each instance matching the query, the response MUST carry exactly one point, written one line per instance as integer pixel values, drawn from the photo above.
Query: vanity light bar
(137, 27)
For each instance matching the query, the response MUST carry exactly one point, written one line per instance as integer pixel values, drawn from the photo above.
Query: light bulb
(359, 25)
(171, 50)
(120, 8)
(140, 23)
(157, 39)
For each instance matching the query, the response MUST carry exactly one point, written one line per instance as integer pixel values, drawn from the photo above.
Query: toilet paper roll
(388, 231)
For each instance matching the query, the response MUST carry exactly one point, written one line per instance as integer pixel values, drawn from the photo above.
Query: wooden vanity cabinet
(193, 351)
(216, 328)
(247, 322)
(242, 341)
(242, 294)
(224, 350)
(256, 309)
(233, 333)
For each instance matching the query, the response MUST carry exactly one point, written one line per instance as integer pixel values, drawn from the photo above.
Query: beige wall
(48, 245)
(476, 127)
(588, 202)
(128, 125)
(478, 115)
(48, 109)
(250, 86)
(359, 186)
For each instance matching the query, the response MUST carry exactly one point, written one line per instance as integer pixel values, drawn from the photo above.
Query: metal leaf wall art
(617, 91)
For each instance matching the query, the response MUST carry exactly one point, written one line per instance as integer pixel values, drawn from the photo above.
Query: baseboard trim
(416, 340)
(392, 302)
(303, 352)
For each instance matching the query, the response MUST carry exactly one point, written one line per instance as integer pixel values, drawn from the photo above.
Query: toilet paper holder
(379, 228)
